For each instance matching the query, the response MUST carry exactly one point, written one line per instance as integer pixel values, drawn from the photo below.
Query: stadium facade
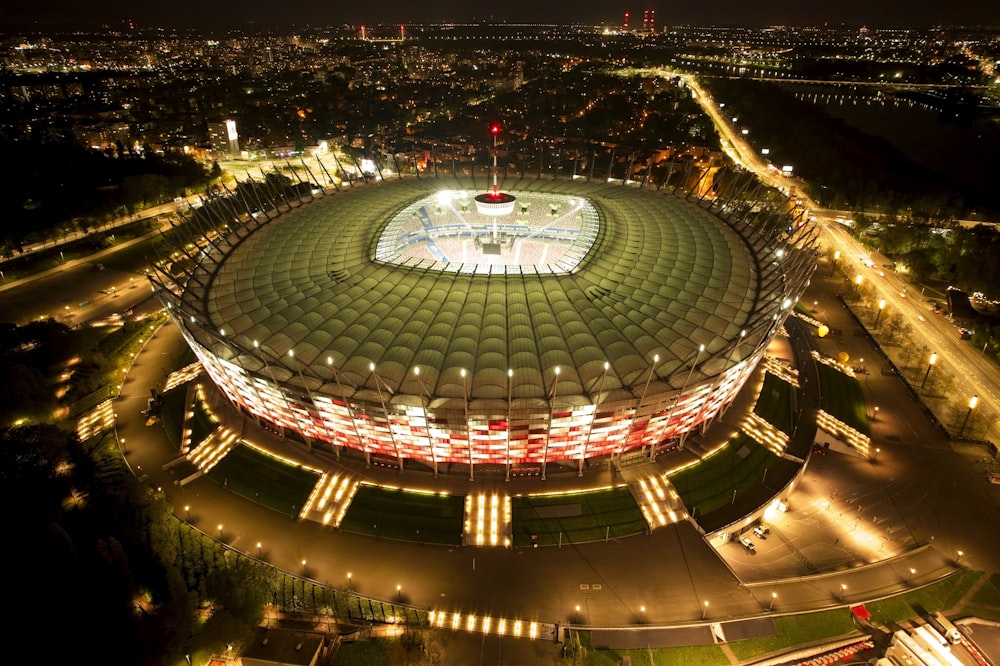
(389, 320)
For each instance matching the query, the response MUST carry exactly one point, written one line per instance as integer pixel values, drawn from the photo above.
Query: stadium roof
(663, 277)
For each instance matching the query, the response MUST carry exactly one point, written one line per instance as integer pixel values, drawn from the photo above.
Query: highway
(956, 358)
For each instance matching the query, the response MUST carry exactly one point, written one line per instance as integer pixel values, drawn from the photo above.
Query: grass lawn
(201, 424)
(698, 655)
(775, 403)
(172, 413)
(710, 484)
(264, 479)
(842, 398)
(939, 596)
(406, 516)
(796, 630)
(579, 518)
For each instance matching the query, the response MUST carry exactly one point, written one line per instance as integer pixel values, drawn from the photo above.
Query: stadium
(409, 322)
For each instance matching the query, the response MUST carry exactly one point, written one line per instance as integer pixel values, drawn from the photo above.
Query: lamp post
(303, 566)
(930, 364)
(973, 401)
(642, 612)
(836, 258)
(349, 583)
(770, 607)
(220, 532)
(857, 286)
(843, 590)
(881, 306)
(958, 557)
(877, 451)
(704, 610)
(187, 513)
(912, 572)
(260, 552)
(399, 593)
(578, 613)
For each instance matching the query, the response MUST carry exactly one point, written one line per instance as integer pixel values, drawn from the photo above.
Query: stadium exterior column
(427, 428)
(468, 428)
(673, 407)
(385, 410)
(510, 403)
(548, 431)
(590, 427)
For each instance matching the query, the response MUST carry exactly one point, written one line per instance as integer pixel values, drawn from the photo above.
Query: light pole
(578, 613)
(399, 593)
(704, 610)
(843, 590)
(912, 572)
(930, 364)
(770, 607)
(187, 513)
(220, 532)
(836, 258)
(642, 612)
(973, 401)
(303, 567)
(881, 306)
(260, 552)
(877, 451)
(349, 584)
(958, 557)
(857, 286)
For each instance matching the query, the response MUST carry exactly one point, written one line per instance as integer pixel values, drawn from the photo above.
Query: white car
(748, 544)
(760, 532)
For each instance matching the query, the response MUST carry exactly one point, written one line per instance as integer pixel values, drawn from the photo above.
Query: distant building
(224, 138)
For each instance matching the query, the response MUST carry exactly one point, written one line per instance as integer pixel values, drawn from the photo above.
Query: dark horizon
(255, 14)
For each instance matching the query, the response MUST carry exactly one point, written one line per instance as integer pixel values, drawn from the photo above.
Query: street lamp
(399, 593)
(349, 586)
(704, 610)
(642, 611)
(881, 306)
(912, 572)
(187, 513)
(303, 567)
(973, 401)
(220, 532)
(930, 364)
(774, 595)
(843, 590)
(578, 613)
(836, 258)
(960, 553)
(260, 553)
(877, 451)
(857, 286)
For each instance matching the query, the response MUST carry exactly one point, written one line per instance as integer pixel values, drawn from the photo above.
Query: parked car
(748, 544)
(760, 533)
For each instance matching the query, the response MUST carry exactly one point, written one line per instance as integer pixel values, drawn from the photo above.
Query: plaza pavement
(855, 529)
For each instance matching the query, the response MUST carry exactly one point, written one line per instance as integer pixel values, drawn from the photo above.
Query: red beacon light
(495, 129)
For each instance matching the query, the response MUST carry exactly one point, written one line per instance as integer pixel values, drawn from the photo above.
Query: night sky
(228, 14)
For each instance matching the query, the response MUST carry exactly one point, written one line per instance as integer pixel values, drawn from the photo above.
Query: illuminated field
(550, 233)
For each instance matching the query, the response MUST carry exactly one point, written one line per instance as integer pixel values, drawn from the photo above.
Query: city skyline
(227, 15)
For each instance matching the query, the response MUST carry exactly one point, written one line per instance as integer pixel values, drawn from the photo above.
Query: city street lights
(912, 572)
(399, 593)
(220, 532)
(774, 595)
(881, 306)
(260, 552)
(349, 584)
(973, 401)
(930, 364)
(187, 513)
(303, 567)
(704, 610)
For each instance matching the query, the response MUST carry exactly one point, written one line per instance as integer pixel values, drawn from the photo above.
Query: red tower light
(495, 129)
